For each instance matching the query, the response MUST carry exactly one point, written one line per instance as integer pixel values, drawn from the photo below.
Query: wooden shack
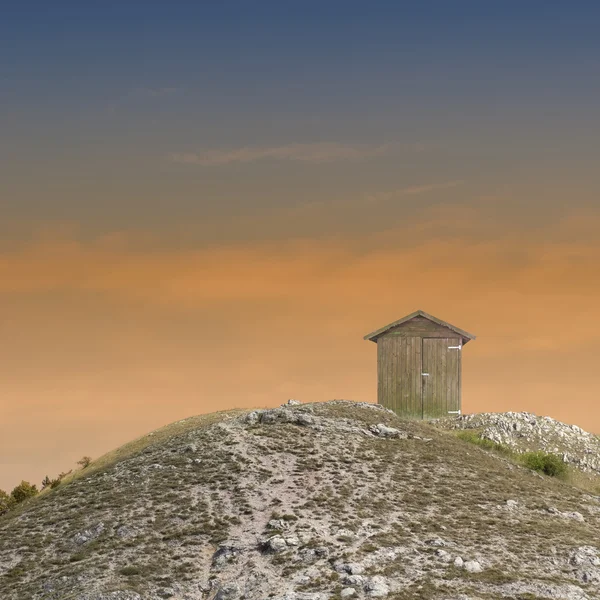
(419, 366)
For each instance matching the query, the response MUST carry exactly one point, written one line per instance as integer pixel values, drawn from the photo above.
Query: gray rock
(355, 568)
(308, 555)
(436, 541)
(472, 566)
(586, 561)
(304, 419)
(354, 580)
(229, 591)
(124, 532)
(377, 587)
(89, 534)
(269, 416)
(252, 418)
(459, 562)
(292, 540)
(286, 415)
(348, 592)
(577, 516)
(276, 544)
(584, 554)
(443, 555)
(225, 554)
(281, 524)
(351, 568)
(121, 595)
(382, 430)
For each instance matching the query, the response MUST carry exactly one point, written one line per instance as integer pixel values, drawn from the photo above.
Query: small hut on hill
(419, 366)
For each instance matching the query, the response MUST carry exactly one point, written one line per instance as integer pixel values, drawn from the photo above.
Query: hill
(303, 502)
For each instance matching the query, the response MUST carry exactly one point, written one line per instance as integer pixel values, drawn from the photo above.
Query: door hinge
(455, 347)
(454, 412)
(427, 374)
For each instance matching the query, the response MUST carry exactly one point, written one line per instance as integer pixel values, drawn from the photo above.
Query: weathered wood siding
(441, 391)
(399, 374)
(421, 327)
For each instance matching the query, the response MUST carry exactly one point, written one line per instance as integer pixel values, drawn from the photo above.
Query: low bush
(56, 482)
(84, 462)
(130, 570)
(6, 502)
(545, 462)
(23, 491)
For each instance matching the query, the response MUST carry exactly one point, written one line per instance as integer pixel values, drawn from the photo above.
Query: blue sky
(102, 94)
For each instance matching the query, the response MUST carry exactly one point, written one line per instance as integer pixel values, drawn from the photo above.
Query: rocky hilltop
(526, 432)
(305, 502)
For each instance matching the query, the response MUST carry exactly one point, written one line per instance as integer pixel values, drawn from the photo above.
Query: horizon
(208, 206)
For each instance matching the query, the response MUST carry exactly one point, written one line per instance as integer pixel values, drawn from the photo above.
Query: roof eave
(378, 332)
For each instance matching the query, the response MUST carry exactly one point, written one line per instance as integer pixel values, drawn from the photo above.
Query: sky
(207, 206)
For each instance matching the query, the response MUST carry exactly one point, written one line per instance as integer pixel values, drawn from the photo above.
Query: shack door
(440, 376)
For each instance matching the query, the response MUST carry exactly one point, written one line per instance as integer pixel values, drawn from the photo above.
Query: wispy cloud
(319, 152)
(415, 189)
(163, 91)
(139, 94)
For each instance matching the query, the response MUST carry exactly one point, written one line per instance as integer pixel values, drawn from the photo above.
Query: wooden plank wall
(453, 376)
(399, 374)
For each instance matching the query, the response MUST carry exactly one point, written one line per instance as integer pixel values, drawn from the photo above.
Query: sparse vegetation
(130, 570)
(545, 462)
(6, 502)
(474, 437)
(24, 491)
(84, 462)
(392, 506)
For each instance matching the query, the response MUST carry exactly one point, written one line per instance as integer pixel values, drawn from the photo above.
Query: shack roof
(419, 313)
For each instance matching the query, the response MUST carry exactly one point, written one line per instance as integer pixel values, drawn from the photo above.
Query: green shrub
(6, 502)
(54, 483)
(23, 491)
(545, 462)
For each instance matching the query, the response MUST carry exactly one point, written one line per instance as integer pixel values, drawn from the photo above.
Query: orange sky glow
(104, 342)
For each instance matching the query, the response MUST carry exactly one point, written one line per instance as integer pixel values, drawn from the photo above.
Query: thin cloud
(163, 91)
(415, 189)
(319, 152)
(140, 93)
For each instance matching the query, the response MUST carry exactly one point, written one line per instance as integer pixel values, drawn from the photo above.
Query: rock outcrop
(526, 432)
